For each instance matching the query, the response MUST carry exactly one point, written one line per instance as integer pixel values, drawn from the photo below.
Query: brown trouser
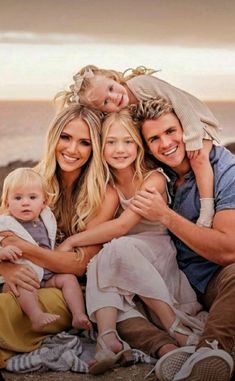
(219, 299)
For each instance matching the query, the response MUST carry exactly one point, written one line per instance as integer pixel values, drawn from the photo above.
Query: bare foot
(42, 320)
(81, 321)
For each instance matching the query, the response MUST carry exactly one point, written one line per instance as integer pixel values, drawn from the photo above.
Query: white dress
(141, 263)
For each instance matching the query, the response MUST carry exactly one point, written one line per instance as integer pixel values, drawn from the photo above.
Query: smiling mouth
(170, 151)
(120, 102)
(69, 159)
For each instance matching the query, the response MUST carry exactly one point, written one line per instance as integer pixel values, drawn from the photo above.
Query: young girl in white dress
(143, 262)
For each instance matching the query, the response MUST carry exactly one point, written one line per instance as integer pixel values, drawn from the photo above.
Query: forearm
(104, 232)
(216, 244)
(54, 260)
(63, 262)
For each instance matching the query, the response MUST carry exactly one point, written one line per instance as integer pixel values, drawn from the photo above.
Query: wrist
(166, 216)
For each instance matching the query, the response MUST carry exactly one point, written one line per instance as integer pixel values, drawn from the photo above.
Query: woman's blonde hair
(79, 90)
(20, 177)
(124, 119)
(74, 211)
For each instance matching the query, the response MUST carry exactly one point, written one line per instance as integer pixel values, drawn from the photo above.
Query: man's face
(164, 137)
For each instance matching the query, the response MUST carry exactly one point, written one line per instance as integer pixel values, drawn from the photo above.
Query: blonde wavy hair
(79, 90)
(124, 119)
(20, 177)
(74, 211)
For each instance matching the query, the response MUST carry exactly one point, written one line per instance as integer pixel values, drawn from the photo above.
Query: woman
(73, 171)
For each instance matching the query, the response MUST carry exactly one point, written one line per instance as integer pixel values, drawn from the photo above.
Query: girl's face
(120, 149)
(73, 149)
(109, 95)
(26, 202)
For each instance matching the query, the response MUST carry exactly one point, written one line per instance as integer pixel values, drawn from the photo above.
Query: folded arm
(216, 244)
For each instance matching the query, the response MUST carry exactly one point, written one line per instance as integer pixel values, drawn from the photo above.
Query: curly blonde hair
(79, 90)
(75, 210)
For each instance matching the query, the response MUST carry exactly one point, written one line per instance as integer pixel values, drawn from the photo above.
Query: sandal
(175, 328)
(105, 358)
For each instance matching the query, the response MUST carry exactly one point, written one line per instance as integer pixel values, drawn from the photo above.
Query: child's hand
(193, 154)
(65, 246)
(10, 253)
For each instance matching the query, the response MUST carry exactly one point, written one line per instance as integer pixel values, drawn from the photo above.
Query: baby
(24, 211)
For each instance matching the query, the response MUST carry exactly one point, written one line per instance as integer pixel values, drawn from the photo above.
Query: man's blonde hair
(150, 110)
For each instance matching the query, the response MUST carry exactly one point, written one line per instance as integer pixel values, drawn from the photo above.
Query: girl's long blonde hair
(78, 91)
(75, 210)
(123, 118)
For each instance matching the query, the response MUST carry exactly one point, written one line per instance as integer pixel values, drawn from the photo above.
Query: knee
(227, 276)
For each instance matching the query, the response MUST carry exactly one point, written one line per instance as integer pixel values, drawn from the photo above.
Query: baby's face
(26, 202)
(108, 95)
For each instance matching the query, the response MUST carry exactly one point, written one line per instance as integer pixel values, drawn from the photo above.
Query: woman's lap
(16, 333)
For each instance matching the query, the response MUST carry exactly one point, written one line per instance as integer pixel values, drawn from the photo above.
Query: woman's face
(109, 95)
(120, 150)
(73, 149)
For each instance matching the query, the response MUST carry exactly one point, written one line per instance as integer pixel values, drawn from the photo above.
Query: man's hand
(16, 275)
(149, 204)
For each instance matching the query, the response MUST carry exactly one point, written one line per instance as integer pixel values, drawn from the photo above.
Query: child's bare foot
(42, 320)
(81, 321)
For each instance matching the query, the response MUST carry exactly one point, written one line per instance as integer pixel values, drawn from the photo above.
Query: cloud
(183, 22)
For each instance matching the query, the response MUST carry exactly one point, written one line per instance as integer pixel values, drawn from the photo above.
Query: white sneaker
(206, 364)
(170, 364)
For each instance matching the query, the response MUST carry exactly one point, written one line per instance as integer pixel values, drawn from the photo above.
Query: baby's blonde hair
(21, 177)
(79, 90)
(124, 119)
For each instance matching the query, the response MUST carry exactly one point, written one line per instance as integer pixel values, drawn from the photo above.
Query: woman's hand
(12, 239)
(10, 253)
(17, 275)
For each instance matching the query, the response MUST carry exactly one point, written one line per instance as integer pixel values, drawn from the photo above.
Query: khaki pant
(219, 300)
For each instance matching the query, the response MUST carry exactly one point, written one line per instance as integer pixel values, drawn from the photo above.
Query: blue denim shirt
(186, 203)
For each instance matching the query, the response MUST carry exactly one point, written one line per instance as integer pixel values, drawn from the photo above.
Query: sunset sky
(43, 43)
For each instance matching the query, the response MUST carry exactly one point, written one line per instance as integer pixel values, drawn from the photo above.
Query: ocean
(23, 126)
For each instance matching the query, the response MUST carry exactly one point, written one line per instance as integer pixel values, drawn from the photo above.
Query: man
(207, 256)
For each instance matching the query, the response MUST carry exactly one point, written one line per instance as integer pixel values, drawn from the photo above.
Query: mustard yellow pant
(16, 334)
